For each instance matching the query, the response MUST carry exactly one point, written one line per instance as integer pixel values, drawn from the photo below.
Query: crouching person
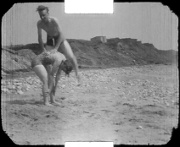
(39, 65)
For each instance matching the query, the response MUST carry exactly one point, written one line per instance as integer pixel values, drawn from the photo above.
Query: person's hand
(46, 53)
(53, 51)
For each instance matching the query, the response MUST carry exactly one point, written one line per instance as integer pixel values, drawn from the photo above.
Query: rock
(35, 87)
(20, 92)
(18, 84)
(25, 87)
(167, 104)
(28, 87)
(10, 87)
(62, 86)
(3, 82)
(5, 90)
(139, 127)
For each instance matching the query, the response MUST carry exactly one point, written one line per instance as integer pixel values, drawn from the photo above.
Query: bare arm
(58, 74)
(40, 37)
(56, 69)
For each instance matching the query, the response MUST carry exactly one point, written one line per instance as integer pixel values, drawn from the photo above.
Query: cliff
(115, 52)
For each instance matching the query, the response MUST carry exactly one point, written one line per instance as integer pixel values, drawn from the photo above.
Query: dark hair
(67, 67)
(41, 8)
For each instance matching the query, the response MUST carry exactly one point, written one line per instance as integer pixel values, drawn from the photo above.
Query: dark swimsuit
(51, 41)
(43, 58)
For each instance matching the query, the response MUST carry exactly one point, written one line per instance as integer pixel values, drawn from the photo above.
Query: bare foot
(56, 103)
(79, 82)
(48, 104)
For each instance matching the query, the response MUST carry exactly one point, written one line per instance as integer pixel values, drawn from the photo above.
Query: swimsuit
(52, 40)
(41, 59)
(44, 59)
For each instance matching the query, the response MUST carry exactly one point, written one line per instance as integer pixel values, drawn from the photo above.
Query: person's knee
(41, 72)
(44, 81)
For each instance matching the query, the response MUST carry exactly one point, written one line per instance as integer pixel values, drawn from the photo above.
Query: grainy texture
(115, 52)
(128, 105)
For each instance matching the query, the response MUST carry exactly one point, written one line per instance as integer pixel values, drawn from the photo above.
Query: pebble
(63, 86)
(11, 87)
(167, 104)
(18, 86)
(139, 127)
(5, 90)
(96, 80)
(19, 92)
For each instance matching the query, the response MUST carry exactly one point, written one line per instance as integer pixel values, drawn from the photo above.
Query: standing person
(58, 62)
(55, 37)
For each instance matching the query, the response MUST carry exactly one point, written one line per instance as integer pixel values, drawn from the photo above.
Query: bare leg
(52, 98)
(53, 84)
(49, 69)
(74, 62)
(56, 81)
(67, 51)
(43, 76)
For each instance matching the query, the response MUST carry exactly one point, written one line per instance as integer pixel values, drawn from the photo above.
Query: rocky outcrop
(99, 39)
(115, 52)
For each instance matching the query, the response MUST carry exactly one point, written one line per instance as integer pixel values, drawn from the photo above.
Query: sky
(147, 22)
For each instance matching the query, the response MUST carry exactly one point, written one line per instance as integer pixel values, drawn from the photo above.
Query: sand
(127, 105)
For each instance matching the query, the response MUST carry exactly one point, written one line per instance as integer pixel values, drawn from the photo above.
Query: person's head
(43, 12)
(67, 67)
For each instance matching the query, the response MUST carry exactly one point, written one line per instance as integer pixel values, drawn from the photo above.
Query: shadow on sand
(31, 102)
(25, 102)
